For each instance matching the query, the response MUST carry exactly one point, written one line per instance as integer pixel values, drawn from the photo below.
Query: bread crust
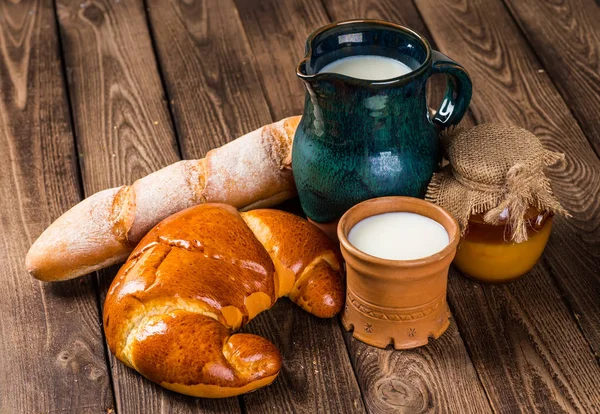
(199, 276)
(251, 171)
(83, 238)
(307, 263)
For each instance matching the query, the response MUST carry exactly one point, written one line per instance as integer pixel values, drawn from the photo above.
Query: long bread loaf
(249, 172)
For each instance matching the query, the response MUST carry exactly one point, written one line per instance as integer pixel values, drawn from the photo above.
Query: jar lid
(495, 170)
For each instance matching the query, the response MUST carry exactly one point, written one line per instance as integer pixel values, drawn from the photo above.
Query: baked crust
(249, 172)
(199, 276)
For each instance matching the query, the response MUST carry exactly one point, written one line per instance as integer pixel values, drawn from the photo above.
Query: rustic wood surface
(520, 323)
(209, 71)
(565, 36)
(51, 345)
(97, 93)
(278, 32)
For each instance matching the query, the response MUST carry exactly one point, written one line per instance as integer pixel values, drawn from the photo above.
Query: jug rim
(357, 81)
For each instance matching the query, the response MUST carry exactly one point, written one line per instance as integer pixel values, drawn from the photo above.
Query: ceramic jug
(361, 139)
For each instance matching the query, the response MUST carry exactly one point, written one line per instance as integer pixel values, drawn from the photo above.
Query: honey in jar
(486, 252)
(496, 188)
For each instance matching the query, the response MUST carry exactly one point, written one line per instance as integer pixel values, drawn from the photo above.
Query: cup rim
(384, 82)
(454, 234)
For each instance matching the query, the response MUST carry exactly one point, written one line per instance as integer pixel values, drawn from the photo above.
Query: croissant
(202, 274)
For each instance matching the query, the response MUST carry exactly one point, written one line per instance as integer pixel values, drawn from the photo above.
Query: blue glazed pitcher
(360, 139)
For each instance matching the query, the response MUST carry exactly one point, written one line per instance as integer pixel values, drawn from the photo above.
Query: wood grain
(121, 119)
(278, 30)
(439, 377)
(47, 365)
(317, 376)
(527, 349)
(211, 73)
(124, 132)
(530, 340)
(525, 332)
(565, 35)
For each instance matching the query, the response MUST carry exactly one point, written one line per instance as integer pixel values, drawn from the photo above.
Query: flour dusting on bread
(250, 168)
(249, 172)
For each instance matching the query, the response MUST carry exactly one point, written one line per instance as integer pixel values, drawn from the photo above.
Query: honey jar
(495, 187)
(485, 254)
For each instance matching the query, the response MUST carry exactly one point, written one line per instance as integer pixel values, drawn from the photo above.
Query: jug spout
(322, 85)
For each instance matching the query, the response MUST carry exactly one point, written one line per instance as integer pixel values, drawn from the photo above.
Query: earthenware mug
(360, 139)
(398, 302)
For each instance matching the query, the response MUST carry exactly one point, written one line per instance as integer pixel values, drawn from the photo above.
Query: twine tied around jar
(497, 171)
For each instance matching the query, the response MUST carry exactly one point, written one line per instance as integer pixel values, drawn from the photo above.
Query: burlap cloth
(498, 171)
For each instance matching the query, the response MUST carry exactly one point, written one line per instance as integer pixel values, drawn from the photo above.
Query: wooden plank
(438, 377)
(124, 132)
(211, 73)
(47, 365)
(441, 375)
(523, 332)
(565, 36)
(121, 121)
(278, 30)
(317, 376)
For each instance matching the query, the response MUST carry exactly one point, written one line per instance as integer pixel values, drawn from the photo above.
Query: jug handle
(458, 91)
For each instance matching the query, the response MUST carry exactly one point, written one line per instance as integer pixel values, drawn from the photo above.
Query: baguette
(250, 172)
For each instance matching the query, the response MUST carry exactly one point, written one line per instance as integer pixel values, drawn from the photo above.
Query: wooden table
(95, 94)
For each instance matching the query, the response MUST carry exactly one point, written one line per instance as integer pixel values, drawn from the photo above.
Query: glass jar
(486, 253)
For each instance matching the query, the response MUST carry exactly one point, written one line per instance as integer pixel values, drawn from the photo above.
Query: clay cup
(398, 302)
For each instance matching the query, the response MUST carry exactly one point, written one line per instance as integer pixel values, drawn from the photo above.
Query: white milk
(369, 67)
(399, 236)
